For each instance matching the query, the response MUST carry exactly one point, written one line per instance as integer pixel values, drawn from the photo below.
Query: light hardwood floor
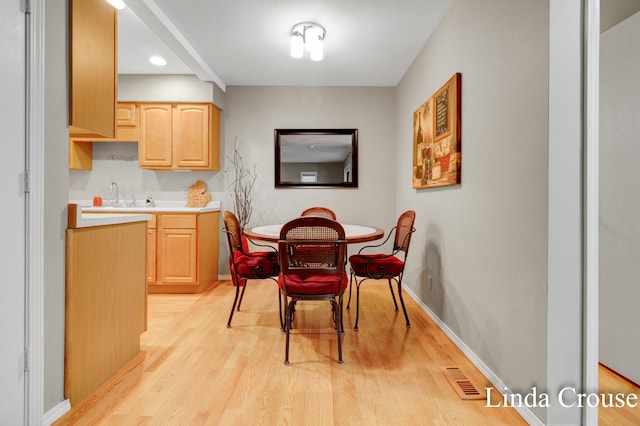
(610, 382)
(194, 371)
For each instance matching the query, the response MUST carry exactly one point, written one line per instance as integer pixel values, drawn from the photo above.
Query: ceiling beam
(161, 25)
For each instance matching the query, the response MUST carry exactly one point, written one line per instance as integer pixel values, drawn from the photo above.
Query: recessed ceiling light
(118, 4)
(158, 60)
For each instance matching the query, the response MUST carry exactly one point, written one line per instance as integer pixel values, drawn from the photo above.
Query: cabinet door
(154, 147)
(92, 70)
(191, 136)
(127, 123)
(176, 256)
(126, 115)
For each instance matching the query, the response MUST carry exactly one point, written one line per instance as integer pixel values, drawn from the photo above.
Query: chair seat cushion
(376, 265)
(257, 264)
(313, 284)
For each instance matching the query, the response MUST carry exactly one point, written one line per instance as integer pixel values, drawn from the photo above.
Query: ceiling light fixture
(158, 60)
(309, 36)
(118, 4)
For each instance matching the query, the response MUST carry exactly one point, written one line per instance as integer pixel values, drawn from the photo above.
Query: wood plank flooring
(194, 371)
(610, 382)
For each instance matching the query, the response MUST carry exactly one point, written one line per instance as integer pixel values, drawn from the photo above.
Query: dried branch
(241, 187)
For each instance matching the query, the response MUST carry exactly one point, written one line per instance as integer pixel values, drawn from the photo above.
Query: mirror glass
(316, 157)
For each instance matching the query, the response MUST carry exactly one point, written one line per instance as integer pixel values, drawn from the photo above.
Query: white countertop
(88, 220)
(78, 219)
(160, 207)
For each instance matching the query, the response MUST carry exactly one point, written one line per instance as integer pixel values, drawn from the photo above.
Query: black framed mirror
(316, 158)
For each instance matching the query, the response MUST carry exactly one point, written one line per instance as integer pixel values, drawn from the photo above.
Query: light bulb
(317, 53)
(118, 4)
(311, 38)
(297, 46)
(158, 60)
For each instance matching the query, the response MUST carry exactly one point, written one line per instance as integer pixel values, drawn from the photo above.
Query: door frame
(34, 285)
(591, 164)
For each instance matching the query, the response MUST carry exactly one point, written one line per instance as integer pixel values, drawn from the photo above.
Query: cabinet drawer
(182, 221)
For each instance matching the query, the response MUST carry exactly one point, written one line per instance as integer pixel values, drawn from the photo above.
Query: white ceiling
(246, 42)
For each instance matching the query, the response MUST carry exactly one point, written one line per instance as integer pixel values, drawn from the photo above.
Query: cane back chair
(246, 265)
(312, 263)
(379, 266)
(319, 212)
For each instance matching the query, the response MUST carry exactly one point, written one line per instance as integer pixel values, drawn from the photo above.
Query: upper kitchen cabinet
(93, 68)
(154, 147)
(126, 126)
(179, 136)
(81, 147)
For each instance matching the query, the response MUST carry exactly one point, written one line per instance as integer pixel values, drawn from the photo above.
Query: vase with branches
(242, 180)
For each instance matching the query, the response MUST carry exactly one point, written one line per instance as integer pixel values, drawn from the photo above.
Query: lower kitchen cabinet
(182, 252)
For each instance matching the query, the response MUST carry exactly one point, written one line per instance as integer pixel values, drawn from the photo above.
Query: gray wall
(167, 88)
(253, 113)
(619, 201)
(250, 117)
(484, 242)
(614, 12)
(56, 177)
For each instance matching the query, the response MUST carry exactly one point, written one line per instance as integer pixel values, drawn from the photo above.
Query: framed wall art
(436, 138)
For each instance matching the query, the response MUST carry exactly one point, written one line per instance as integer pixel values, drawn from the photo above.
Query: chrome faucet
(116, 201)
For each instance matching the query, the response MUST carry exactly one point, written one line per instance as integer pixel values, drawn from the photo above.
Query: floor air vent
(462, 385)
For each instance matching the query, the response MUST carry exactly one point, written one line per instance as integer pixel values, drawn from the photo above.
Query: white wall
(619, 200)
(484, 242)
(12, 249)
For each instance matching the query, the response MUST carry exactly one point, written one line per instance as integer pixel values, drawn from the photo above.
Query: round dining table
(353, 233)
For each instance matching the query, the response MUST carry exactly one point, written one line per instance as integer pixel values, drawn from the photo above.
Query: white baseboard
(224, 277)
(525, 412)
(56, 412)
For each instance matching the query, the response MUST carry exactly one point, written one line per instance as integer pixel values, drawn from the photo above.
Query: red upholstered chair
(246, 265)
(319, 212)
(380, 266)
(312, 262)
